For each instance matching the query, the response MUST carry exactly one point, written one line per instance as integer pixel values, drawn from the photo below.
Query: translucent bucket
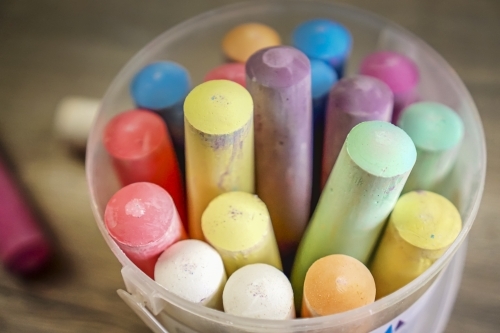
(421, 306)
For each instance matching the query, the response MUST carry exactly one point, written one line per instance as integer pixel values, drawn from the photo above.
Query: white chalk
(259, 291)
(193, 270)
(73, 119)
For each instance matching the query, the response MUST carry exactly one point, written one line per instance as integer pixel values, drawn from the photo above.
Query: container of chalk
(424, 304)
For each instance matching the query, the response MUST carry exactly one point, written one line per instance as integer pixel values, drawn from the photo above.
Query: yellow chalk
(420, 229)
(238, 226)
(219, 145)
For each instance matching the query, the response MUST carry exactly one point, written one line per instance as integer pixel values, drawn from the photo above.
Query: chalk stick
(24, 248)
(352, 100)
(142, 151)
(219, 145)
(421, 228)
(323, 77)
(360, 193)
(279, 80)
(162, 87)
(437, 132)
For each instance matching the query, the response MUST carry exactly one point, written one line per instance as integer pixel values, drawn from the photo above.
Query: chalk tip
(160, 85)
(278, 67)
(432, 126)
(398, 71)
(381, 149)
(259, 291)
(245, 39)
(322, 39)
(218, 107)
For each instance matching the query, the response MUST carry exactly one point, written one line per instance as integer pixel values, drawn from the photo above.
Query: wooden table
(50, 49)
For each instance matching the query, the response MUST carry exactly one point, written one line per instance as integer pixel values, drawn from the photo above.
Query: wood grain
(50, 49)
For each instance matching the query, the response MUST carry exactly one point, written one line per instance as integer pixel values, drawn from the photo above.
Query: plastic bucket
(421, 306)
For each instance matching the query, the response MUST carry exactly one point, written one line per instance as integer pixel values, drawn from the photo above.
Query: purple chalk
(351, 101)
(279, 80)
(399, 72)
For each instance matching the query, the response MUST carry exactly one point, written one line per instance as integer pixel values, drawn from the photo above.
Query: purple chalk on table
(351, 101)
(399, 72)
(279, 80)
(23, 246)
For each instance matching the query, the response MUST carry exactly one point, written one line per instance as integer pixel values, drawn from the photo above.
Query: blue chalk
(323, 77)
(160, 85)
(322, 39)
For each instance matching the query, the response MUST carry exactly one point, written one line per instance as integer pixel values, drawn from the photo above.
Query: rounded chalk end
(236, 221)
(193, 270)
(381, 149)
(160, 85)
(134, 134)
(432, 126)
(336, 283)
(278, 67)
(142, 215)
(218, 107)
(245, 39)
(426, 220)
(259, 291)
(74, 118)
(323, 77)
(363, 97)
(399, 72)
(322, 39)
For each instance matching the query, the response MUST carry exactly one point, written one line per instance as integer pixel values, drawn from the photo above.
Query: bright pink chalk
(232, 71)
(143, 221)
(139, 143)
(399, 72)
(23, 247)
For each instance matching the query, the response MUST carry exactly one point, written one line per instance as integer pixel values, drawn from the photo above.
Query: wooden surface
(50, 49)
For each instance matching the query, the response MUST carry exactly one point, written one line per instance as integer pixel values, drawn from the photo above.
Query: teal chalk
(437, 132)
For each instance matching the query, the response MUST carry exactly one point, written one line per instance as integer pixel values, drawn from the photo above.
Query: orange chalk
(336, 283)
(245, 39)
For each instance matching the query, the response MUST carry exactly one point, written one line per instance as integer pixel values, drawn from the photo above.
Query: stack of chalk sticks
(279, 187)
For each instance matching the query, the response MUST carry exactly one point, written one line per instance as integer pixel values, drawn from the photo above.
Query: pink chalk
(232, 71)
(399, 72)
(139, 143)
(23, 247)
(143, 221)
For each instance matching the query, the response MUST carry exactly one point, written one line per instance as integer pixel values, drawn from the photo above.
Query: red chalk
(23, 247)
(143, 221)
(232, 71)
(139, 143)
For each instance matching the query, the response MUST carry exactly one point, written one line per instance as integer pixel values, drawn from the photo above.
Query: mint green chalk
(437, 132)
(360, 193)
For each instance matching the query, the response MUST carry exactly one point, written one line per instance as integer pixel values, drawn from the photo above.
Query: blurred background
(51, 49)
